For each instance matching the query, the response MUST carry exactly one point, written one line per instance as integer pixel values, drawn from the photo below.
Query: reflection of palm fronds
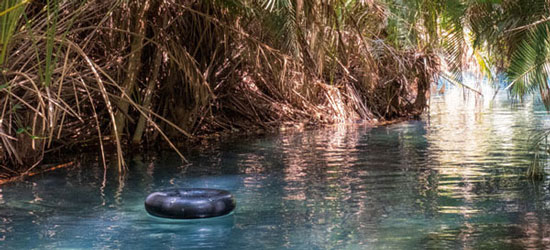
(541, 150)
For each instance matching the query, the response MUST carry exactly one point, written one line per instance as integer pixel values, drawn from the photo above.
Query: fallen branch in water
(32, 173)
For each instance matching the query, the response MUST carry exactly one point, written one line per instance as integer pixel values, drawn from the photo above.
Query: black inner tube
(190, 203)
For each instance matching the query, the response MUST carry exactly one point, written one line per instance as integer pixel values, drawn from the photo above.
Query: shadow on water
(451, 181)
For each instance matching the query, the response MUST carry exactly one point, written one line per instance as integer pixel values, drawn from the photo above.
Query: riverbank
(57, 161)
(116, 75)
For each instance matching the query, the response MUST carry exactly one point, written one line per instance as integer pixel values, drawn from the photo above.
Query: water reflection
(452, 180)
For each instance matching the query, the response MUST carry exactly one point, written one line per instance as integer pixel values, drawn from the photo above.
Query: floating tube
(190, 203)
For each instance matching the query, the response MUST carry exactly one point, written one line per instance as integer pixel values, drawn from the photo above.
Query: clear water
(453, 180)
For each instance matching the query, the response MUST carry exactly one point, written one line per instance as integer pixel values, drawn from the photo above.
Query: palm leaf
(530, 64)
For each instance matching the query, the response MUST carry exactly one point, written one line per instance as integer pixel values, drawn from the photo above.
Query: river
(454, 179)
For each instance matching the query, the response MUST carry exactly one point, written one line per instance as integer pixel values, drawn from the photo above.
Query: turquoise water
(452, 180)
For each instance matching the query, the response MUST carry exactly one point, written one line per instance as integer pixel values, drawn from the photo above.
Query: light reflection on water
(453, 180)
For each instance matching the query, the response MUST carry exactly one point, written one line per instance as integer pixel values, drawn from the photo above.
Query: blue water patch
(454, 179)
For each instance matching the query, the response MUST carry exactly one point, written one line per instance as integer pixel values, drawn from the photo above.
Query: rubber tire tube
(190, 203)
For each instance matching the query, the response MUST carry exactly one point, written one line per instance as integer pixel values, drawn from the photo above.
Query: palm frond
(530, 64)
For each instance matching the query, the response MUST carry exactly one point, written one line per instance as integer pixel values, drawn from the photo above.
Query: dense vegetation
(119, 73)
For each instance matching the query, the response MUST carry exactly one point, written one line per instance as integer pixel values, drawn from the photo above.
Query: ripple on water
(452, 180)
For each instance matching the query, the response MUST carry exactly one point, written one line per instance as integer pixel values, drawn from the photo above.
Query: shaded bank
(100, 73)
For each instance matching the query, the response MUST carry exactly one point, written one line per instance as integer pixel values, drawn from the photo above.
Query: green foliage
(510, 36)
(530, 64)
(10, 14)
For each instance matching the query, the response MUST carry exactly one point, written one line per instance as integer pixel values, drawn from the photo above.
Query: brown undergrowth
(119, 73)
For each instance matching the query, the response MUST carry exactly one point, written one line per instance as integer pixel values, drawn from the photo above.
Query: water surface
(451, 180)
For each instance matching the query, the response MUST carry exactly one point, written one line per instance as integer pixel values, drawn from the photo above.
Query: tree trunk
(140, 128)
(134, 65)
